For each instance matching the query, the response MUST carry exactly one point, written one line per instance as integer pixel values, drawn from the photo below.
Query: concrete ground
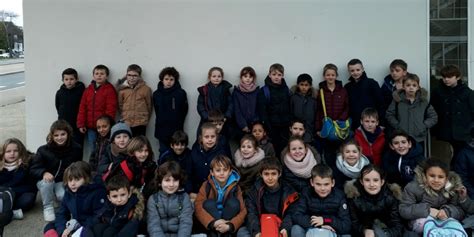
(12, 124)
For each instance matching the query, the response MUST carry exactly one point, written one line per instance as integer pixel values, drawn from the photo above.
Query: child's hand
(192, 196)
(317, 221)
(462, 192)
(369, 233)
(83, 130)
(219, 223)
(442, 215)
(66, 233)
(258, 234)
(284, 233)
(434, 212)
(223, 228)
(328, 227)
(48, 177)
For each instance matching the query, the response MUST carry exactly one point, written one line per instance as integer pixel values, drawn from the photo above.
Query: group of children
(284, 179)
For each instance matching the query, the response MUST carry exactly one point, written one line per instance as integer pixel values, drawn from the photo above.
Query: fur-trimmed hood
(313, 92)
(399, 95)
(354, 189)
(123, 84)
(454, 183)
(139, 210)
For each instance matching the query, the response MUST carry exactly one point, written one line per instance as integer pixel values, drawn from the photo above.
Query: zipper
(59, 168)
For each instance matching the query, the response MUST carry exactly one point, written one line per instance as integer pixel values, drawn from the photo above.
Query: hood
(362, 77)
(79, 85)
(454, 183)
(399, 95)
(139, 200)
(313, 92)
(354, 188)
(123, 84)
(86, 188)
(160, 87)
(225, 84)
(233, 177)
(269, 82)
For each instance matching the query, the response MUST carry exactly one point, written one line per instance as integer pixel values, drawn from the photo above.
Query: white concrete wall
(196, 35)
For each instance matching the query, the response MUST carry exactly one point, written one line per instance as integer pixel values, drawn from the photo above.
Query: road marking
(20, 83)
(2, 87)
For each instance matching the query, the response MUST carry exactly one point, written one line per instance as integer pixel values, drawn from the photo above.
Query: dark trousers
(138, 130)
(330, 150)
(231, 209)
(24, 201)
(105, 230)
(279, 137)
(5, 219)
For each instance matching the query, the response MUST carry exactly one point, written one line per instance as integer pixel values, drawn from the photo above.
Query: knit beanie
(304, 77)
(118, 128)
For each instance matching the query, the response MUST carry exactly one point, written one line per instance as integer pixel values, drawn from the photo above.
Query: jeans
(91, 137)
(50, 190)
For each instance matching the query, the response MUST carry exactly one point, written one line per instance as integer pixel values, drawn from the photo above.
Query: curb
(12, 96)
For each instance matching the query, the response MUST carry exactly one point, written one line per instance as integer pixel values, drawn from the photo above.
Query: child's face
(221, 174)
(247, 149)
(247, 79)
(330, 76)
(270, 178)
(397, 73)
(372, 182)
(208, 138)
(100, 76)
(401, 145)
(75, 184)
(297, 129)
(436, 178)
(168, 81)
(322, 186)
(121, 140)
(258, 132)
(178, 148)
(369, 123)
(60, 137)
(351, 154)
(215, 78)
(11, 153)
(451, 81)
(119, 197)
(297, 150)
(103, 127)
(219, 125)
(304, 87)
(275, 77)
(141, 154)
(69, 81)
(411, 87)
(169, 184)
(132, 78)
(356, 71)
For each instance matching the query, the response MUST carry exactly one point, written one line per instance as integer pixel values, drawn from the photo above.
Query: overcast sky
(15, 6)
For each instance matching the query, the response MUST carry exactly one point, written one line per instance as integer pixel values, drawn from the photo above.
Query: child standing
(247, 159)
(219, 205)
(134, 100)
(336, 101)
(349, 163)
(117, 150)
(104, 124)
(453, 100)
(98, 99)
(363, 92)
(171, 106)
(303, 103)
(169, 211)
(215, 95)
(402, 158)
(15, 174)
(322, 209)
(410, 110)
(373, 204)
(464, 165)
(259, 132)
(122, 212)
(81, 203)
(270, 198)
(370, 136)
(274, 106)
(431, 193)
(49, 164)
(298, 159)
(244, 99)
(393, 81)
(67, 101)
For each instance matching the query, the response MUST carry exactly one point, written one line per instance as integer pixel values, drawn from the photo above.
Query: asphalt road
(9, 81)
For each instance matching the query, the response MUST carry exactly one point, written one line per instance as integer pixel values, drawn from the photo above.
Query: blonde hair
(24, 155)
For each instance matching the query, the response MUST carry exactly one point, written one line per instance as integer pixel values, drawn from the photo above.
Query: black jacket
(464, 166)
(119, 216)
(274, 110)
(54, 160)
(19, 180)
(366, 209)
(67, 102)
(332, 208)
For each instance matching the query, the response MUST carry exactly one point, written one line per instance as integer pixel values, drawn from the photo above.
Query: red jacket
(372, 151)
(337, 104)
(96, 102)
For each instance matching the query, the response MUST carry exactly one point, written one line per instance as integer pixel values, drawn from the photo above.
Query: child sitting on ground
(349, 163)
(104, 125)
(247, 159)
(116, 152)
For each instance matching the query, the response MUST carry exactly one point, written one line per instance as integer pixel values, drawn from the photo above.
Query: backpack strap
(289, 200)
(126, 170)
(323, 102)
(266, 93)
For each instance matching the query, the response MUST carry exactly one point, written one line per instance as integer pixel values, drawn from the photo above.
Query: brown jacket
(135, 104)
(211, 193)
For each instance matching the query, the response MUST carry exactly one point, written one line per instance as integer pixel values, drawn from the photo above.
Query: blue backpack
(441, 228)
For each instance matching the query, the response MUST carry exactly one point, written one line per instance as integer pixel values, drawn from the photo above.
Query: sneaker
(17, 214)
(48, 213)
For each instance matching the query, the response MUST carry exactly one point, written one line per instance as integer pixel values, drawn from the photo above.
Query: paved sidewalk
(12, 68)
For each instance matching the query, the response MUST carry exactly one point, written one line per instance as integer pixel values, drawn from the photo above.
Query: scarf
(115, 150)
(372, 136)
(351, 171)
(302, 168)
(12, 166)
(248, 162)
(247, 88)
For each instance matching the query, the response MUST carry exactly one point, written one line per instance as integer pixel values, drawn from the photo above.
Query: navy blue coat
(363, 94)
(171, 108)
(245, 107)
(214, 97)
(67, 102)
(119, 217)
(276, 109)
(18, 180)
(464, 166)
(83, 205)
